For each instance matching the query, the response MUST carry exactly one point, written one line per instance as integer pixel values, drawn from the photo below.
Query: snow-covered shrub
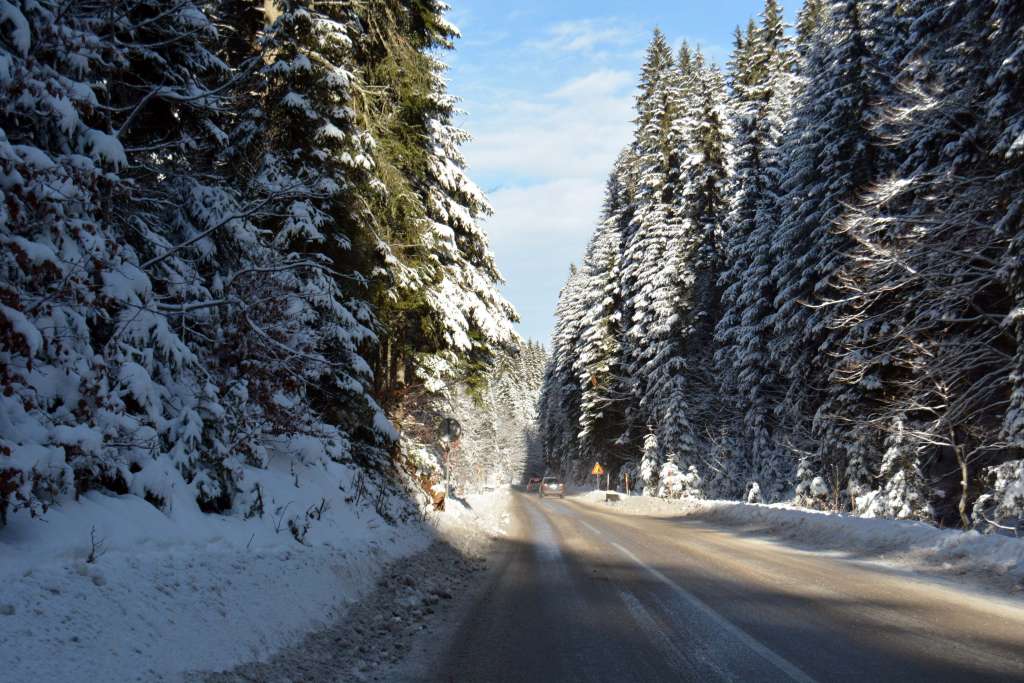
(857, 475)
(904, 492)
(674, 483)
(649, 465)
(1003, 508)
(811, 490)
(753, 493)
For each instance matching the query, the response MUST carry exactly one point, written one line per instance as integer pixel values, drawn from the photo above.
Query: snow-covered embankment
(110, 588)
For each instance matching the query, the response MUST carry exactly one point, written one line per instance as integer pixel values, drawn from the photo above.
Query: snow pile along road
(993, 559)
(470, 522)
(411, 603)
(123, 591)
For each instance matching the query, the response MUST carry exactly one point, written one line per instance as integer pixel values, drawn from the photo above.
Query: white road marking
(778, 661)
(655, 633)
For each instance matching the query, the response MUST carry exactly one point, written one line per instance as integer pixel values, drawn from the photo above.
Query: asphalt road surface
(580, 593)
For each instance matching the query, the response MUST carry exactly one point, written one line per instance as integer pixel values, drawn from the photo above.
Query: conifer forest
(231, 232)
(604, 343)
(806, 279)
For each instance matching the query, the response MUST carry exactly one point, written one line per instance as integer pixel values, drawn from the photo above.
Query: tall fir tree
(830, 159)
(651, 245)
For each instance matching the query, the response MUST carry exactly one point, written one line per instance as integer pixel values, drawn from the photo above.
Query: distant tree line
(500, 444)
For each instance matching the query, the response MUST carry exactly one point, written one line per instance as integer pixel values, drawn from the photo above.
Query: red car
(533, 484)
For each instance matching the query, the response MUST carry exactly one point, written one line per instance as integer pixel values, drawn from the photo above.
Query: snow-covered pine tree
(46, 141)
(302, 156)
(1005, 111)
(687, 393)
(761, 98)
(651, 243)
(809, 19)
(559, 406)
(650, 464)
(927, 289)
(435, 284)
(499, 442)
(904, 492)
(598, 363)
(829, 159)
(110, 283)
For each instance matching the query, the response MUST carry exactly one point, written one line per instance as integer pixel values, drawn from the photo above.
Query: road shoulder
(988, 564)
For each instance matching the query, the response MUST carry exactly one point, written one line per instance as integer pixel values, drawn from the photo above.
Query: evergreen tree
(829, 161)
(810, 18)
(687, 391)
(927, 299)
(206, 281)
(435, 281)
(651, 243)
(761, 102)
(559, 406)
(598, 362)
(309, 165)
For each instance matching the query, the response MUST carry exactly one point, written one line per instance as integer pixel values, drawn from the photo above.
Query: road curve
(581, 593)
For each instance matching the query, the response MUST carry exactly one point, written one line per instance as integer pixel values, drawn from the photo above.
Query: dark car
(533, 484)
(551, 486)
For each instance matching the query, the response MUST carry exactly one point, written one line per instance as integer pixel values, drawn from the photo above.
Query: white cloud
(548, 144)
(574, 131)
(551, 153)
(586, 35)
(566, 206)
(536, 232)
(596, 84)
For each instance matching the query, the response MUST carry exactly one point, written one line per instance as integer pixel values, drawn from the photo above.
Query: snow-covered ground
(993, 560)
(171, 593)
(402, 621)
(474, 520)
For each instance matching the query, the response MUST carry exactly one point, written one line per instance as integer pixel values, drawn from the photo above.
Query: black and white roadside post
(450, 431)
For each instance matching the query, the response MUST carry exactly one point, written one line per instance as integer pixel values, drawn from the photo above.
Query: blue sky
(548, 89)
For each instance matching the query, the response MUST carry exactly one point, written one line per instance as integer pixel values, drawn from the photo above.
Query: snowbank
(473, 520)
(912, 544)
(171, 593)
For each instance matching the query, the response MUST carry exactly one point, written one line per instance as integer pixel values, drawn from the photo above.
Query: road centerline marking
(780, 662)
(647, 623)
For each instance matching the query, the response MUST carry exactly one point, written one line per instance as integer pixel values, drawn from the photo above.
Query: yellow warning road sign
(597, 469)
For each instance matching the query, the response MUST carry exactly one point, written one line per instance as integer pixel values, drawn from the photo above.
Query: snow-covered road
(583, 593)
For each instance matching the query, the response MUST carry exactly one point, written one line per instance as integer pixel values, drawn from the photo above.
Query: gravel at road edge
(413, 597)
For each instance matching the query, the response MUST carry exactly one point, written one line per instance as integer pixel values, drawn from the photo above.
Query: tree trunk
(961, 460)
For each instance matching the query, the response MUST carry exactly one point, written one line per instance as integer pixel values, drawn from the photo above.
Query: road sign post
(450, 431)
(597, 472)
